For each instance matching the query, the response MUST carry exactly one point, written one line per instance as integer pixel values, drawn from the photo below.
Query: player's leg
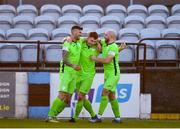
(62, 100)
(113, 100)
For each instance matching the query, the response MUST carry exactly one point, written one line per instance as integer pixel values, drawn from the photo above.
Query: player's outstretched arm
(64, 54)
(106, 60)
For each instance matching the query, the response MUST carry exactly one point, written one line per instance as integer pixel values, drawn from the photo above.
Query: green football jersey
(87, 65)
(110, 49)
(74, 51)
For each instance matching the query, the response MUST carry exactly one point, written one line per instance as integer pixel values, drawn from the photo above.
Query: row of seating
(126, 34)
(13, 52)
(96, 10)
(47, 22)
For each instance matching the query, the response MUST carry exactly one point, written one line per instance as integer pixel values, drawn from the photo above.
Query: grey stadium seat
(60, 33)
(111, 22)
(134, 22)
(7, 10)
(51, 10)
(11, 52)
(29, 51)
(89, 22)
(116, 10)
(5, 23)
(27, 10)
(157, 22)
(53, 52)
(171, 32)
(72, 10)
(166, 50)
(24, 22)
(67, 22)
(138, 10)
(158, 10)
(175, 10)
(173, 22)
(151, 44)
(128, 35)
(93, 10)
(46, 22)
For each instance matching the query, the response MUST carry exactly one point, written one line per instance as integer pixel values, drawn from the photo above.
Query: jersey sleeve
(112, 50)
(65, 46)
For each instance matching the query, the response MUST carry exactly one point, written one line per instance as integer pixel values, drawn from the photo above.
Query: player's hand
(68, 39)
(122, 46)
(93, 58)
(76, 67)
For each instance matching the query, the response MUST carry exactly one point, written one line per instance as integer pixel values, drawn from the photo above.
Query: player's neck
(73, 38)
(111, 41)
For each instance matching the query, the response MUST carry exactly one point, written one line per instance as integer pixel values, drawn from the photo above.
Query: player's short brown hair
(93, 34)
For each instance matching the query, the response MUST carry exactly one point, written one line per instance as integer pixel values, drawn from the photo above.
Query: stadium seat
(173, 22)
(5, 23)
(10, 52)
(72, 10)
(53, 52)
(51, 10)
(175, 10)
(111, 22)
(157, 22)
(116, 10)
(93, 10)
(24, 22)
(166, 50)
(134, 22)
(29, 51)
(138, 10)
(60, 33)
(2, 35)
(151, 46)
(67, 22)
(128, 35)
(46, 22)
(27, 10)
(102, 30)
(158, 10)
(89, 22)
(86, 31)
(171, 33)
(7, 10)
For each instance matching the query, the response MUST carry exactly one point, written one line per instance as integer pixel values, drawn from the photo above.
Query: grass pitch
(127, 123)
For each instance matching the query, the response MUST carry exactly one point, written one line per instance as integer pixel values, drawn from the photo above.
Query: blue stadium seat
(102, 30)
(175, 10)
(111, 22)
(24, 22)
(158, 10)
(67, 22)
(116, 10)
(46, 22)
(7, 10)
(138, 10)
(93, 10)
(11, 52)
(60, 33)
(5, 23)
(72, 10)
(133, 21)
(157, 22)
(173, 22)
(51, 10)
(89, 22)
(86, 31)
(27, 10)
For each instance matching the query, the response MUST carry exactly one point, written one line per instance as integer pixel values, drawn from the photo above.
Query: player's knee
(111, 96)
(105, 92)
(81, 96)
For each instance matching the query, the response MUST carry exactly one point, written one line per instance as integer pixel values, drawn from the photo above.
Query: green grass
(127, 123)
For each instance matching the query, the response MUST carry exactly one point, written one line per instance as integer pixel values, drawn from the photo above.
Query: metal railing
(39, 64)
